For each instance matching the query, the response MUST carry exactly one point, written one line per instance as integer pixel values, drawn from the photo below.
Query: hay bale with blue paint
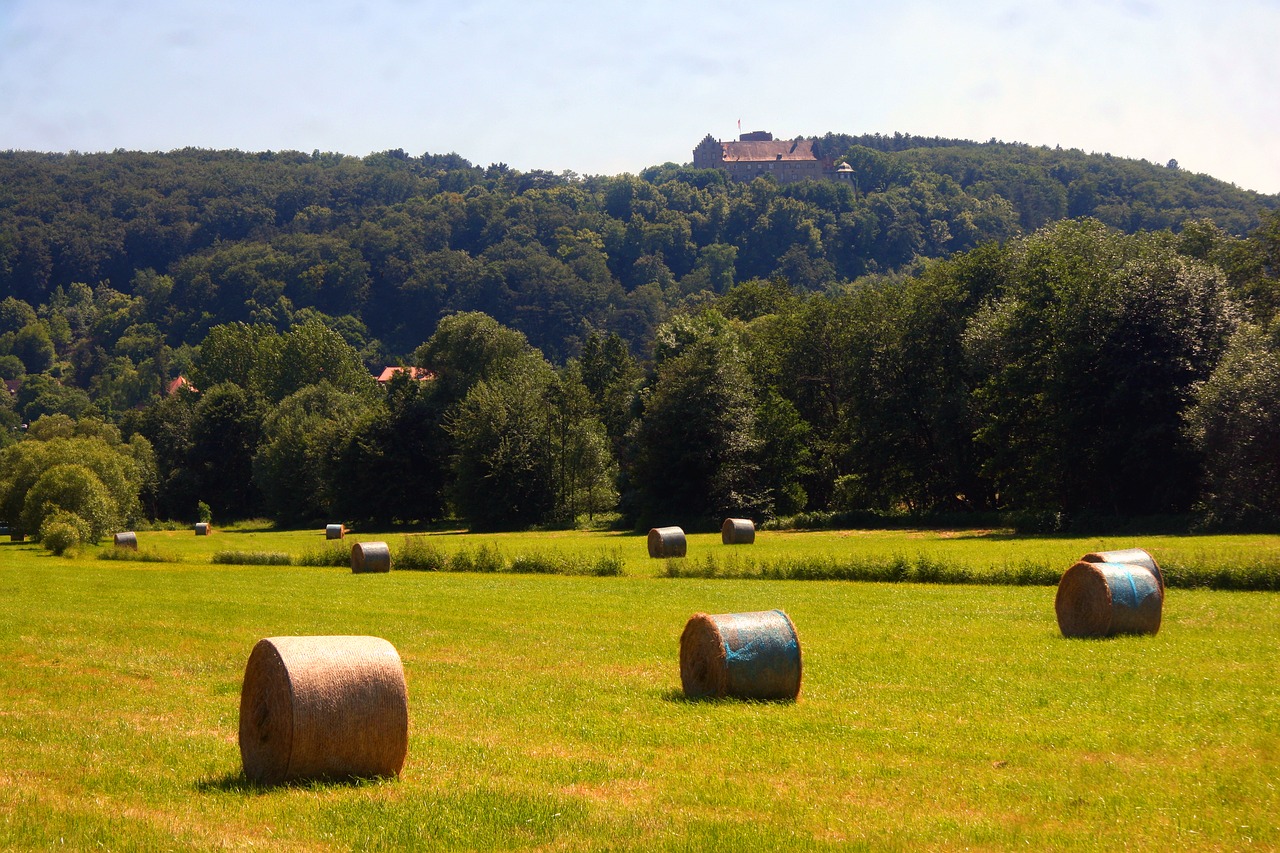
(323, 708)
(370, 557)
(740, 655)
(738, 531)
(1105, 599)
(667, 542)
(1129, 556)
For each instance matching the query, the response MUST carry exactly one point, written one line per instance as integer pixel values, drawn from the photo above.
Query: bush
(61, 531)
(330, 554)
(145, 555)
(252, 558)
(417, 554)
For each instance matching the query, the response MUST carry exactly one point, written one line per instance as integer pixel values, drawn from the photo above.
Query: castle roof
(771, 150)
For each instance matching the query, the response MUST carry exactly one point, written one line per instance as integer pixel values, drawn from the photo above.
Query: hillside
(392, 241)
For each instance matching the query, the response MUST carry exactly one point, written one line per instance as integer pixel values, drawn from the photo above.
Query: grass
(933, 556)
(545, 713)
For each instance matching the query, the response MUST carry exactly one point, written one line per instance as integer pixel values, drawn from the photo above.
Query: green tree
(72, 488)
(1235, 424)
(696, 442)
(503, 471)
(226, 426)
(302, 438)
(1085, 360)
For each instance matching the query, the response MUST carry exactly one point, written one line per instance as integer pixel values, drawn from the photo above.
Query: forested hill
(388, 243)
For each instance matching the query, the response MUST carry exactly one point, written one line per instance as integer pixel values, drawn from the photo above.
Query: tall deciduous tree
(1086, 359)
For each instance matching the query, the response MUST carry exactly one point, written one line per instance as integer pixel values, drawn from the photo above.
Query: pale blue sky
(606, 87)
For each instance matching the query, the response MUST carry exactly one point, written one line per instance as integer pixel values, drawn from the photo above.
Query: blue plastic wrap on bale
(1129, 557)
(1103, 599)
(743, 655)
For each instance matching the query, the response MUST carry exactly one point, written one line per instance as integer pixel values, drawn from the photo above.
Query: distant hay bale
(743, 655)
(368, 557)
(127, 540)
(1104, 599)
(203, 529)
(738, 531)
(323, 708)
(1129, 556)
(667, 542)
(334, 531)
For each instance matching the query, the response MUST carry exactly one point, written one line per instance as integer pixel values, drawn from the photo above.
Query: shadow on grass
(236, 782)
(678, 697)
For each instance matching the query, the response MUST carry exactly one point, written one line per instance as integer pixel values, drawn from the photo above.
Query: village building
(757, 154)
(421, 374)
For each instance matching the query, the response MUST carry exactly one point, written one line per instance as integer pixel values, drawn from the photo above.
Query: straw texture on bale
(1130, 556)
(202, 528)
(742, 655)
(667, 542)
(738, 531)
(368, 557)
(323, 708)
(127, 540)
(1104, 599)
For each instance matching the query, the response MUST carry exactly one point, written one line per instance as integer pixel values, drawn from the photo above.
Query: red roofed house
(757, 153)
(419, 373)
(179, 384)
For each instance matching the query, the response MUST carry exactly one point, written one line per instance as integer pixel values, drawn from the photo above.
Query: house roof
(419, 373)
(178, 383)
(772, 150)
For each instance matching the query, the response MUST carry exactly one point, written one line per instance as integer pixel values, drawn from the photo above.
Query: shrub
(330, 554)
(417, 554)
(252, 558)
(146, 555)
(61, 531)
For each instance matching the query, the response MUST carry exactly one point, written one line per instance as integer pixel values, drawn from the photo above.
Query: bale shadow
(235, 782)
(676, 696)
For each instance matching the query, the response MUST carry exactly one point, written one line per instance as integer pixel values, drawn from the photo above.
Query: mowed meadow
(545, 711)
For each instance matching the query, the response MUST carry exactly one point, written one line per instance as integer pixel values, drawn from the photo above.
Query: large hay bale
(667, 542)
(334, 531)
(368, 557)
(1103, 599)
(202, 528)
(743, 655)
(738, 531)
(323, 708)
(1129, 556)
(127, 540)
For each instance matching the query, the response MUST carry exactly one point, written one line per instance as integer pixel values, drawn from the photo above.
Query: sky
(605, 87)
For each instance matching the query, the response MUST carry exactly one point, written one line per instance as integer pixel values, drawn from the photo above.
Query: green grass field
(545, 711)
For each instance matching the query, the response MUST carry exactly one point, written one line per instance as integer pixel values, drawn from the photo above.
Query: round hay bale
(127, 540)
(202, 528)
(738, 531)
(1104, 599)
(667, 542)
(368, 557)
(1129, 556)
(743, 655)
(323, 708)
(334, 531)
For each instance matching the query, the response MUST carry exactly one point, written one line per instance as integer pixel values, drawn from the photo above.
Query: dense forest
(964, 327)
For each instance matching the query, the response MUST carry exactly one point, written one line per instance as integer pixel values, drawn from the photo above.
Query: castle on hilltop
(757, 154)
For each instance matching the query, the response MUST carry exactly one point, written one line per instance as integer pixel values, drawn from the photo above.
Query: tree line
(669, 346)
(1073, 375)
